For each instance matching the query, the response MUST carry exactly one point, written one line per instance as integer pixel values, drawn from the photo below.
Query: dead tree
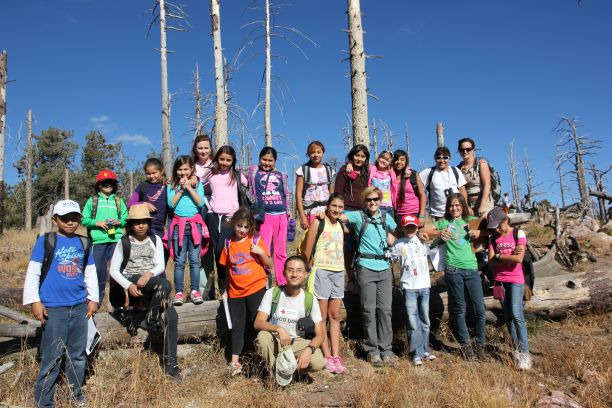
(359, 90)
(267, 123)
(28, 180)
(581, 146)
(598, 176)
(374, 144)
(197, 96)
(388, 140)
(440, 134)
(67, 184)
(516, 190)
(3, 72)
(407, 140)
(528, 178)
(220, 127)
(559, 166)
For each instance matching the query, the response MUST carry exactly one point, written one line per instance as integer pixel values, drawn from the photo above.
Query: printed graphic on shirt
(330, 249)
(240, 262)
(156, 196)
(270, 187)
(69, 262)
(385, 186)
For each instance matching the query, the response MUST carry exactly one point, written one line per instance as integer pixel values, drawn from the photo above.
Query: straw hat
(139, 212)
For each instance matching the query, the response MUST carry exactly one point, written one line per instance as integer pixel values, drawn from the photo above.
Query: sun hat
(64, 207)
(286, 365)
(139, 212)
(106, 175)
(495, 217)
(409, 220)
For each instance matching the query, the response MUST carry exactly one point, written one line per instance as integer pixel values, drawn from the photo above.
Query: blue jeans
(417, 310)
(102, 254)
(64, 332)
(180, 258)
(458, 281)
(512, 305)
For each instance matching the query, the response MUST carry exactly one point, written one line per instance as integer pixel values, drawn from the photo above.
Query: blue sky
(491, 70)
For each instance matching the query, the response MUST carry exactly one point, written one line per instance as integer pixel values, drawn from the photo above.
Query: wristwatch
(312, 348)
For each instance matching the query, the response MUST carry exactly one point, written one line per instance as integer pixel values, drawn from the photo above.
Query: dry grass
(15, 249)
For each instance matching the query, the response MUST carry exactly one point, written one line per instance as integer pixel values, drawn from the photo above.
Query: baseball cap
(64, 207)
(409, 220)
(106, 175)
(286, 365)
(495, 217)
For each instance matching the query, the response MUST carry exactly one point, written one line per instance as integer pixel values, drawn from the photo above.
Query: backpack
(308, 183)
(94, 206)
(256, 238)
(527, 264)
(243, 197)
(276, 293)
(495, 179)
(50, 241)
(430, 177)
(126, 246)
(366, 219)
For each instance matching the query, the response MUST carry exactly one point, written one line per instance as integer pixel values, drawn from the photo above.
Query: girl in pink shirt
(409, 197)
(383, 177)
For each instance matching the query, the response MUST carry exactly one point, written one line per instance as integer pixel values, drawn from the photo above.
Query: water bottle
(291, 230)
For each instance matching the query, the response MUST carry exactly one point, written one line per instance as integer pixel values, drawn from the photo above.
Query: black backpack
(430, 177)
(50, 241)
(528, 270)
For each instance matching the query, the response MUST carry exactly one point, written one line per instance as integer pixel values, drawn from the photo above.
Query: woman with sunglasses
(477, 176)
(440, 181)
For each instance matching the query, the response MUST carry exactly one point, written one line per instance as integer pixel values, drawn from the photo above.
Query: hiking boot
(179, 299)
(340, 367)
(468, 352)
(479, 351)
(196, 297)
(524, 361)
(331, 364)
(174, 373)
(375, 360)
(429, 357)
(154, 326)
(390, 359)
(417, 361)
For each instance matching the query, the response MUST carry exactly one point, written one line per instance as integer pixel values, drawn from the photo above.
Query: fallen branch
(5, 367)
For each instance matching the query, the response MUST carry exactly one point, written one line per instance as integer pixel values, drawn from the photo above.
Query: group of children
(209, 213)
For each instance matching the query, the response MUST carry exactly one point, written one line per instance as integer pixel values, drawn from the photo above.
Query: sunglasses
(442, 157)
(372, 200)
(466, 150)
(107, 183)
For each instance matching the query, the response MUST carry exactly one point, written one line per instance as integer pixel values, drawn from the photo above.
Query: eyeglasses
(442, 157)
(466, 150)
(372, 199)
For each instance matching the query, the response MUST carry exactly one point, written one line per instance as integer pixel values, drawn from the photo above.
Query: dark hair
(115, 185)
(334, 196)
(466, 140)
(312, 144)
(464, 207)
(295, 258)
(181, 160)
(442, 151)
(396, 155)
(364, 170)
(155, 162)
(129, 226)
(244, 214)
(202, 137)
(215, 168)
(268, 150)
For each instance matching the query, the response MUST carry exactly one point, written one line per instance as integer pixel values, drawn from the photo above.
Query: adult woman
(477, 176)
(461, 273)
(374, 275)
(410, 198)
(440, 181)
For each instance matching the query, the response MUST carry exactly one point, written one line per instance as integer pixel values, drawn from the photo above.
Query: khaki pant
(268, 346)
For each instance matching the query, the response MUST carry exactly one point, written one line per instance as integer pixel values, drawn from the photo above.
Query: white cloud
(99, 119)
(135, 139)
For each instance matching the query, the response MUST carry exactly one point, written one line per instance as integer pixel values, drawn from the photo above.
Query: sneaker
(340, 367)
(234, 368)
(179, 299)
(417, 361)
(331, 365)
(196, 297)
(390, 359)
(375, 360)
(428, 357)
(524, 361)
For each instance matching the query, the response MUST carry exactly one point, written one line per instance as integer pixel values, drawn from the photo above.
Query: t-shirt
(374, 240)
(186, 207)
(289, 310)
(269, 189)
(506, 246)
(154, 193)
(317, 190)
(410, 205)
(246, 274)
(329, 254)
(458, 249)
(412, 256)
(383, 180)
(64, 284)
(224, 194)
(442, 183)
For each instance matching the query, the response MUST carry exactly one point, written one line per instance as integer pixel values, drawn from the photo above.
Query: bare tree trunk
(66, 184)
(359, 90)
(249, 155)
(528, 176)
(374, 146)
(599, 185)
(198, 101)
(220, 128)
(242, 150)
(559, 164)
(131, 181)
(3, 71)
(267, 123)
(28, 180)
(440, 134)
(583, 188)
(516, 192)
(407, 142)
(165, 100)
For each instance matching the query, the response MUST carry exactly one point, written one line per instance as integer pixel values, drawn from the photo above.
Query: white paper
(226, 308)
(93, 336)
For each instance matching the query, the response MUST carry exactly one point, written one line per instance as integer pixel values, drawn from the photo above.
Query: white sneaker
(524, 361)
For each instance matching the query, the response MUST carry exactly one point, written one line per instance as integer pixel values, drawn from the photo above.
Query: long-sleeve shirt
(158, 263)
(107, 209)
(350, 189)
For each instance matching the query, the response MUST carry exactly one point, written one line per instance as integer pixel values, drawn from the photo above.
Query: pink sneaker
(196, 297)
(331, 364)
(179, 299)
(340, 368)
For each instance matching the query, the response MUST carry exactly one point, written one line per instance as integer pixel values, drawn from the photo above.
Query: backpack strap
(364, 223)
(141, 193)
(256, 238)
(118, 205)
(276, 293)
(226, 245)
(126, 246)
(86, 242)
(320, 229)
(308, 300)
(94, 205)
(413, 182)
(50, 240)
(429, 179)
(306, 175)
(456, 173)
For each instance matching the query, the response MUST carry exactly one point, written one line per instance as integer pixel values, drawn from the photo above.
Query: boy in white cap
(62, 286)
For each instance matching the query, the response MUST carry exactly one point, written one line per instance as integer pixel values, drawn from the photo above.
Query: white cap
(64, 207)
(285, 366)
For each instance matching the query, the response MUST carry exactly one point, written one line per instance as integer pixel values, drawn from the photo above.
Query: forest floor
(572, 356)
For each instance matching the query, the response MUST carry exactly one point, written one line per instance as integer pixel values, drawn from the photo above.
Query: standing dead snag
(407, 141)
(3, 71)
(28, 180)
(220, 128)
(440, 134)
(559, 166)
(359, 91)
(598, 177)
(267, 123)
(516, 190)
